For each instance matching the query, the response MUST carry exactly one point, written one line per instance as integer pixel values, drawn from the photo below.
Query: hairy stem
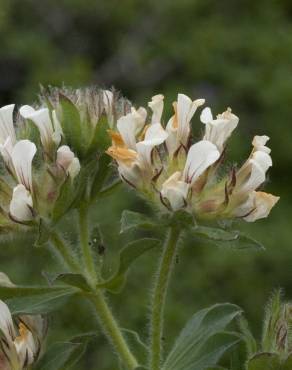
(85, 246)
(159, 297)
(112, 330)
(64, 251)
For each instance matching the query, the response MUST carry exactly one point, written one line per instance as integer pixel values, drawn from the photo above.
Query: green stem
(112, 330)
(159, 297)
(64, 251)
(85, 246)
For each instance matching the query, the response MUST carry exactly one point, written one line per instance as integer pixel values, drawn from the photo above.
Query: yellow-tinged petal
(123, 155)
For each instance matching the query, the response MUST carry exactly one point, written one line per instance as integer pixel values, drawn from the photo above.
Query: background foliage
(233, 53)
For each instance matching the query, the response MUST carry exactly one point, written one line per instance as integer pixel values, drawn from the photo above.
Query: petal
(64, 157)
(200, 156)
(22, 156)
(186, 108)
(262, 204)
(156, 106)
(175, 191)
(41, 118)
(206, 115)
(129, 126)
(6, 152)
(155, 135)
(259, 143)
(6, 124)
(220, 129)
(21, 204)
(74, 168)
(6, 323)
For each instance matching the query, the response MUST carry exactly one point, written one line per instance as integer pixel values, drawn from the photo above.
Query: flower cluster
(43, 146)
(22, 338)
(163, 164)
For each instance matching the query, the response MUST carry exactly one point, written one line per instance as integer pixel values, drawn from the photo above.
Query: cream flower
(175, 191)
(218, 130)
(253, 173)
(50, 129)
(67, 161)
(200, 156)
(257, 206)
(134, 143)
(156, 106)
(20, 347)
(178, 127)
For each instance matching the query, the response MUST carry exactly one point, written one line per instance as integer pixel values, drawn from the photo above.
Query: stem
(112, 330)
(159, 297)
(85, 246)
(64, 251)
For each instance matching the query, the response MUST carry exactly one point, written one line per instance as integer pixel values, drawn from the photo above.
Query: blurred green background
(233, 53)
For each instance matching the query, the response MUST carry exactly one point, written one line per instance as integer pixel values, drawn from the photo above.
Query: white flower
(178, 126)
(7, 133)
(253, 173)
(156, 106)
(67, 161)
(200, 156)
(175, 191)
(20, 346)
(6, 124)
(257, 206)
(131, 125)
(22, 155)
(218, 130)
(21, 205)
(50, 130)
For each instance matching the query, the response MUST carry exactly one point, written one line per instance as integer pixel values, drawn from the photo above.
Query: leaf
(73, 279)
(100, 175)
(64, 200)
(181, 218)
(227, 239)
(100, 139)
(249, 340)
(139, 348)
(215, 233)
(71, 125)
(132, 220)
(203, 340)
(43, 234)
(264, 361)
(127, 256)
(62, 355)
(35, 300)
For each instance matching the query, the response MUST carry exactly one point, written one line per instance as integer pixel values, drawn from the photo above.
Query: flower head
(167, 167)
(21, 338)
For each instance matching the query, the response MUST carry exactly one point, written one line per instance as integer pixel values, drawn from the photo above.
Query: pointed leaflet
(127, 256)
(132, 220)
(265, 361)
(203, 340)
(35, 300)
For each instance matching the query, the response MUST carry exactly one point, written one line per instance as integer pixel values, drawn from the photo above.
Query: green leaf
(180, 218)
(132, 220)
(139, 348)
(61, 356)
(226, 239)
(287, 365)
(265, 361)
(71, 125)
(203, 340)
(35, 300)
(215, 233)
(100, 139)
(100, 175)
(43, 234)
(72, 279)
(64, 200)
(127, 256)
(249, 340)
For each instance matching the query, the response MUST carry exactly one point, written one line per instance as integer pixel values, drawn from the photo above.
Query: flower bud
(67, 161)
